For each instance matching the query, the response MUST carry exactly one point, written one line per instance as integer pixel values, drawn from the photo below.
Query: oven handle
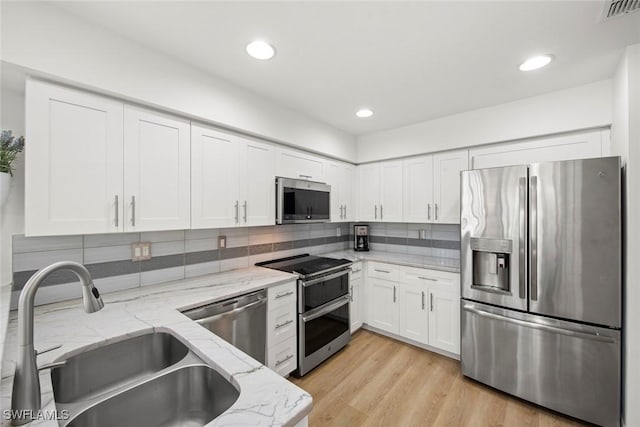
(325, 278)
(324, 309)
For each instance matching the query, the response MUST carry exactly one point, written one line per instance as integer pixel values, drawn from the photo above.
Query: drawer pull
(286, 294)
(382, 271)
(427, 278)
(282, 325)
(286, 359)
(355, 271)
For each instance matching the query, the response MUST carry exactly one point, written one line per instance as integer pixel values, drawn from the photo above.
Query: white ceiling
(408, 61)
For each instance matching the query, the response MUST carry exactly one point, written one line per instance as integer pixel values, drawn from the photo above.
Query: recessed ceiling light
(363, 113)
(260, 49)
(535, 62)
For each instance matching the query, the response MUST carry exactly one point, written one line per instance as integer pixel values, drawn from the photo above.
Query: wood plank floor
(377, 381)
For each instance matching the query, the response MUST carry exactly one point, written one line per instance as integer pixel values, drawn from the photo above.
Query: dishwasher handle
(226, 307)
(230, 312)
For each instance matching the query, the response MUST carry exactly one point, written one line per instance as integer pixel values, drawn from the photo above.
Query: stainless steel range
(323, 306)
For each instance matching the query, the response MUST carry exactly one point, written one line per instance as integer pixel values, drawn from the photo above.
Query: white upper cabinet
(232, 180)
(380, 191)
(157, 171)
(215, 185)
(446, 189)
(299, 165)
(368, 192)
(582, 145)
(341, 177)
(258, 185)
(74, 166)
(418, 189)
(391, 191)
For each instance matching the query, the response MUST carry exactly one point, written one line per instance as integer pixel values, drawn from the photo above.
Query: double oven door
(323, 318)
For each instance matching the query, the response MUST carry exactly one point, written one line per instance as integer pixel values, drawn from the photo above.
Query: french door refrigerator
(540, 270)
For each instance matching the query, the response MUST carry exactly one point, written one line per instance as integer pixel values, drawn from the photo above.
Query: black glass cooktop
(305, 265)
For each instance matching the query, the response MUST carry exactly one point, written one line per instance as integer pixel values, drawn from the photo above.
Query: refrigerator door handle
(523, 236)
(540, 326)
(533, 241)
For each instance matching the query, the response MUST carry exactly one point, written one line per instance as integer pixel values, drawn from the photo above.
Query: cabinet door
(382, 300)
(355, 305)
(157, 171)
(258, 205)
(347, 192)
(73, 162)
(334, 176)
(444, 320)
(368, 192)
(418, 189)
(391, 191)
(215, 177)
(446, 169)
(414, 317)
(299, 165)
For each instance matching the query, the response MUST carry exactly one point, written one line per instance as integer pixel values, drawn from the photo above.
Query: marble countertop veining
(266, 399)
(451, 265)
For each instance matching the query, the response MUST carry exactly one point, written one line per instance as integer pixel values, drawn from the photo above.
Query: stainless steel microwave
(300, 201)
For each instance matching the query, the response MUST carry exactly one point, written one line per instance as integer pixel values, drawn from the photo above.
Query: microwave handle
(279, 201)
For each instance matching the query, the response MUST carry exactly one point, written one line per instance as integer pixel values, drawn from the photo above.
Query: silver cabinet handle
(381, 271)
(282, 325)
(286, 294)
(427, 278)
(429, 211)
(436, 210)
(355, 271)
(381, 216)
(244, 206)
(533, 239)
(341, 211)
(280, 362)
(394, 293)
(345, 211)
(375, 207)
(523, 234)
(133, 211)
(237, 211)
(423, 300)
(117, 212)
(430, 301)
(351, 294)
(305, 176)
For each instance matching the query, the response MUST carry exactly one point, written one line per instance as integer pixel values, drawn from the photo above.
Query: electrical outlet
(222, 242)
(422, 234)
(338, 231)
(140, 251)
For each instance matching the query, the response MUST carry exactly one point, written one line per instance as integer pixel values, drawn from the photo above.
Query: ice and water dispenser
(491, 261)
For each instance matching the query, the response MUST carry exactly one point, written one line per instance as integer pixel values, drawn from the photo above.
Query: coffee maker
(361, 238)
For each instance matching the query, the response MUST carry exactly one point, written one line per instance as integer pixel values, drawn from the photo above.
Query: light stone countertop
(266, 399)
(451, 265)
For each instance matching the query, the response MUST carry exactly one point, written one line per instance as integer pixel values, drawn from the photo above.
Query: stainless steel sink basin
(100, 370)
(189, 396)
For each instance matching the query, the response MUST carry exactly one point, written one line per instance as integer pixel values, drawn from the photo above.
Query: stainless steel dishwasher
(241, 321)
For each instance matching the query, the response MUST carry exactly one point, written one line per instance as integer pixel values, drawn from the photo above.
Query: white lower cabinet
(417, 304)
(355, 292)
(282, 350)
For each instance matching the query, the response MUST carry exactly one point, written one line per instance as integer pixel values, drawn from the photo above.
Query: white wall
(581, 107)
(625, 138)
(54, 43)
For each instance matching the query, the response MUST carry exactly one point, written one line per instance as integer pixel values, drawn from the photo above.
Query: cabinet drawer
(383, 271)
(433, 278)
(281, 324)
(282, 296)
(282, 357)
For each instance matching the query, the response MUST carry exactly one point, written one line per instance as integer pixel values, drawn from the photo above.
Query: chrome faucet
(25, 398)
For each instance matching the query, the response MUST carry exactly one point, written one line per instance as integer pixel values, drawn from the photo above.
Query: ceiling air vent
(615, 8)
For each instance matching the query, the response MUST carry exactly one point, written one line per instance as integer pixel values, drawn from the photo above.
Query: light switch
(222, 242)
(140, 251)
(338, 231)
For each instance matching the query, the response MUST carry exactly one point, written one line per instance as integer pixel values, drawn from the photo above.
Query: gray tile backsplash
(191, 253)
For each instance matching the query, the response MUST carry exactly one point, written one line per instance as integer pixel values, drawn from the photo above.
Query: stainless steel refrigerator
(540, 271)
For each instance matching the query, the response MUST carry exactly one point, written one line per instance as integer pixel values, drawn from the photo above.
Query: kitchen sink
(97, 371)
(188, 396)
